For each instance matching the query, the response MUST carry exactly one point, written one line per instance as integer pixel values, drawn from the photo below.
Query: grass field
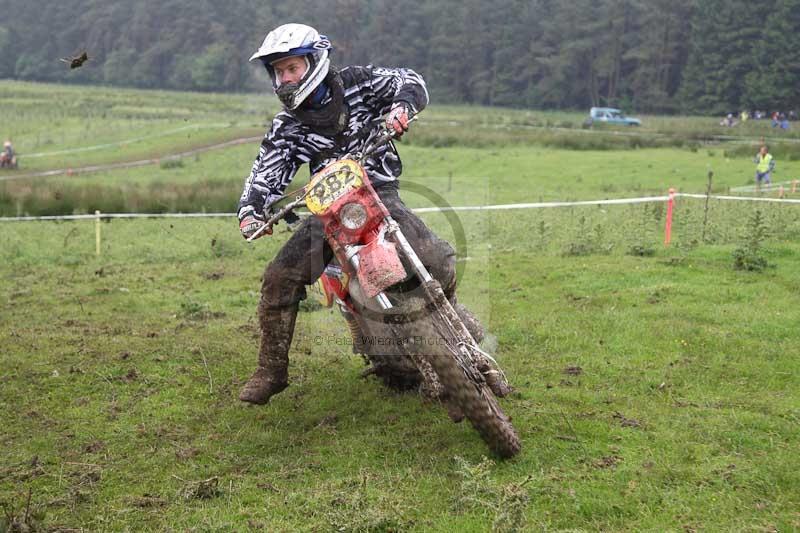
(656, 387)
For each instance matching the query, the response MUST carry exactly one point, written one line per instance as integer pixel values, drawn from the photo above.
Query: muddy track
(131, 164)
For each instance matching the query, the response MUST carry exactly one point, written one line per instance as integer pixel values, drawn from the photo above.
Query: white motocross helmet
(296, 40)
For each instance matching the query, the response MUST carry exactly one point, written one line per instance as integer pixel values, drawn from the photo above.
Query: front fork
(474, 362)
(477, 364)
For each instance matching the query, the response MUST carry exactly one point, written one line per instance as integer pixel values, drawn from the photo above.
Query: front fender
(379, 266)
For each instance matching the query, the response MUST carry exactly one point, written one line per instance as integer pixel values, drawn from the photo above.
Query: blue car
(609, 115)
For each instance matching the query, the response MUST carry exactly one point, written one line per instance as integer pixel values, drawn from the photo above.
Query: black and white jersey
(369, 93)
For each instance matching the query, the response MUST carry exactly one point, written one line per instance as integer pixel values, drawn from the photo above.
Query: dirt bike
(6, 162)
(385, 293)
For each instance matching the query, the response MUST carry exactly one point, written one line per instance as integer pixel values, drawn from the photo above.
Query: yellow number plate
(331, 183)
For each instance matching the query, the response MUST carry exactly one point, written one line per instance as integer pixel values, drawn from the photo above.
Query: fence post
(97, 232)
(668, 225)
(794, 186)
(705, 206)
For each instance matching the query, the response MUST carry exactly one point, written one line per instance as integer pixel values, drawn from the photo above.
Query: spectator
(728, 121)
(764, 166)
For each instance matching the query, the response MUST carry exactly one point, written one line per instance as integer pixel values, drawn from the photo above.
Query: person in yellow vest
(764, 166)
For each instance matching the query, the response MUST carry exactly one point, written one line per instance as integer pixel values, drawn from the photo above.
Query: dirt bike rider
(324, 111)
(7, 156)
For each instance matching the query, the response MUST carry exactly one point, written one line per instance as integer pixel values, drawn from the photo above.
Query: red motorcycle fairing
(332, 284)
(379, 263)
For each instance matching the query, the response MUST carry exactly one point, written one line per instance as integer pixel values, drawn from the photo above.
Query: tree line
(698, 56)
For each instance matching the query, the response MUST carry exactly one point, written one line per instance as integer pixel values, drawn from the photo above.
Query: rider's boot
(271, 376)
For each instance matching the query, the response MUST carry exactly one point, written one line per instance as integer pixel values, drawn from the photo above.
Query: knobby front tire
(476, 401)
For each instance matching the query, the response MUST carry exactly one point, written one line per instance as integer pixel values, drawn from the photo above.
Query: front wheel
(476, 400)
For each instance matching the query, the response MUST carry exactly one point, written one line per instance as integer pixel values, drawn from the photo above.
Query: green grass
(45, 119)
(119, 373)
(507, 155)
(212, 181)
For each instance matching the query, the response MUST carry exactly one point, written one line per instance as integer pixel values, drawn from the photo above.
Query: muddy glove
(250, 221)
(397, 119)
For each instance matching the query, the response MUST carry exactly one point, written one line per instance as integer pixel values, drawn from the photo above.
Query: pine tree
(707, 56)
(774, 81)
(721, 54)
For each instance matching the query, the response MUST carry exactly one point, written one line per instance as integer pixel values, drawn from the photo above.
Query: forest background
(652, 56)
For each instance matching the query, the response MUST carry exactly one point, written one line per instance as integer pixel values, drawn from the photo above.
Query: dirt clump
(147, 501)
(610, 461)
(626, 422)
(94, 447)
(200, 490)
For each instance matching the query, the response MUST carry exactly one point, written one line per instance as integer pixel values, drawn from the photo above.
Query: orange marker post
(794, 186)
(780, 192)
(668, 225)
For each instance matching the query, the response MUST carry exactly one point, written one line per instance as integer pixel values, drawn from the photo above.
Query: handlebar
(370, 146)
(267, 227)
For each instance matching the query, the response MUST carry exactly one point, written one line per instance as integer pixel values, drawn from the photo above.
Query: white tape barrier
(497, 207)
(741, 198)
(538, 205)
